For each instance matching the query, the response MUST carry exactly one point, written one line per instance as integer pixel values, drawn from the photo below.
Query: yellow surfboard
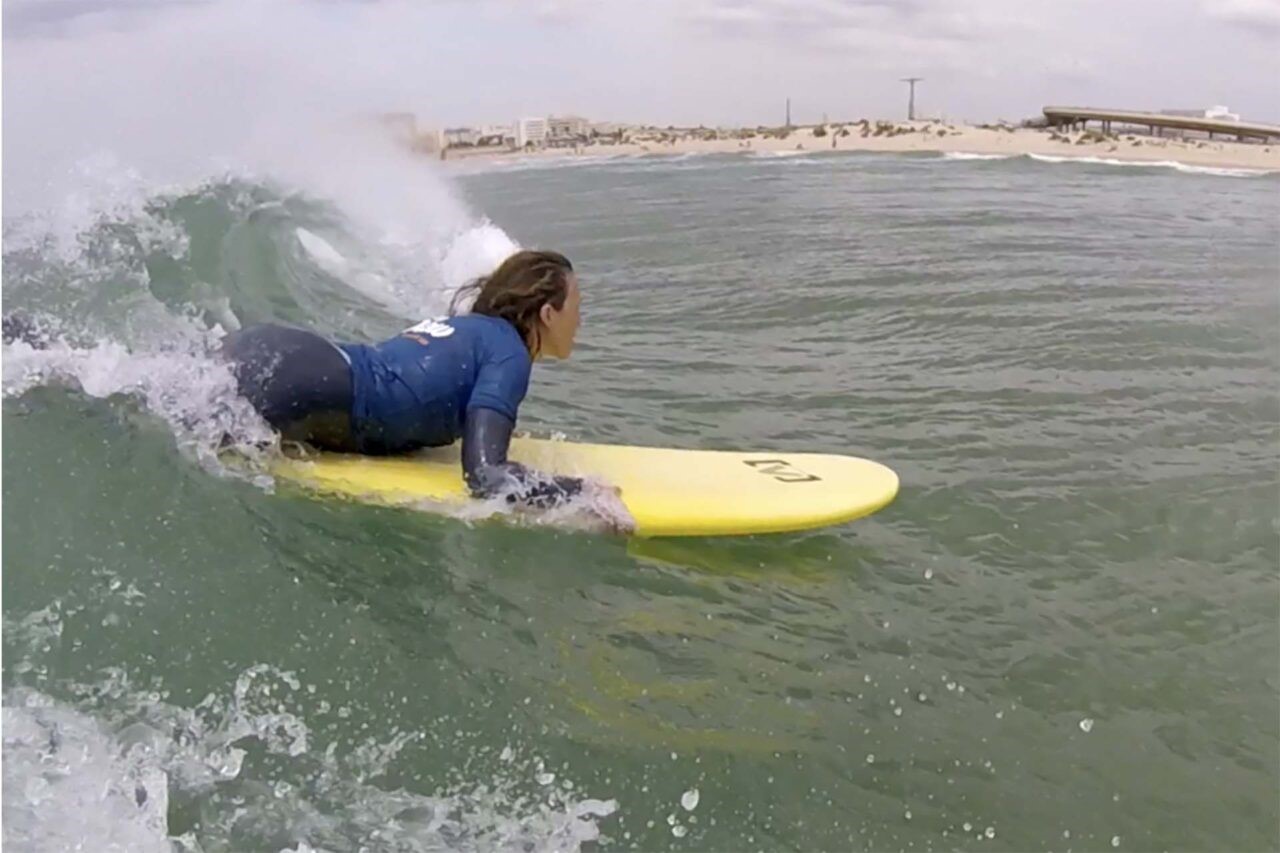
(668, 492)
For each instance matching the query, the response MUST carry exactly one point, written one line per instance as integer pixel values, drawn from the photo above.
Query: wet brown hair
(517, 290)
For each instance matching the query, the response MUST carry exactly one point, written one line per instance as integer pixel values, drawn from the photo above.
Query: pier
(1081, 116)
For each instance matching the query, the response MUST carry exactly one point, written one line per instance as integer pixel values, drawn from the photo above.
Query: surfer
(461, 376)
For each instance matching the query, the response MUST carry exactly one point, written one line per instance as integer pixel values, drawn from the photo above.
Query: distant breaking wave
(1167, 164)
(664, 159)
(965, 155)
(773, 155)
(1187, 168)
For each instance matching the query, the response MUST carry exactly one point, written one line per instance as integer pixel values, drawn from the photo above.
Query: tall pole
(911, 99)
(788, 112)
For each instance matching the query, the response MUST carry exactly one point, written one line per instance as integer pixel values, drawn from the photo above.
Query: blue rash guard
(415, 389)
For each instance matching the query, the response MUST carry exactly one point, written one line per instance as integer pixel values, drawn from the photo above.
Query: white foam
(105, 190)
(597, 509)
(362, 275)
(101, 779)
(190, 389)
(771, 155)
(322, 251)
(968, 155)
(519, 163)
(1160, 164)
(1222, 171)
(679, 158)
(473, 252)
(69, 785)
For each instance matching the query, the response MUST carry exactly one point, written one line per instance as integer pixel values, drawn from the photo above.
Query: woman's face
(560, 326)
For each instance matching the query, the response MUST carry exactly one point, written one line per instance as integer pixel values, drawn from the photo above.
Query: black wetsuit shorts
(298, 381)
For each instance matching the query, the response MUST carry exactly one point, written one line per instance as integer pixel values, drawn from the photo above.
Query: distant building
(456, 137)
(497, 135)
(568, 127)
(1219, 113)
(530, 131)
(608, 132)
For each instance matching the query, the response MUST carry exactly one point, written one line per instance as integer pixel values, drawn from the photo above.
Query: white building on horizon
(454, 136)
(567, 127)
(1219, 112)
(530, 131)
(502, 130)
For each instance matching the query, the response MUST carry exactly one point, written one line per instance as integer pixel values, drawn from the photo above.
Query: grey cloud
(49, 17)
(810, 17)
(1259, 16)
(456, 61)
(820, 19)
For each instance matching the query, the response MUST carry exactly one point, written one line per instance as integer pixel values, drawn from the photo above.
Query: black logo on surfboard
(781, 470)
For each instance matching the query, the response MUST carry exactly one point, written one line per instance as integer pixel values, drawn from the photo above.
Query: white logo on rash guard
(434, 328)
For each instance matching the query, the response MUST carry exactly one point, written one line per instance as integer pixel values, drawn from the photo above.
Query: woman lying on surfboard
(458, 377)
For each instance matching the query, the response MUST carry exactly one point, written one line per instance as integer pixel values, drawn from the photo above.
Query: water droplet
(897, 712)
(546, 778)
(951, 685)
(999, 715)
(507, 754)
(871, 758)
(1086, 725)
(923, 698)
(967, 826)
(678, 831)
(928, 574)
(990, 832)
(907, 815)
(690, 799)
(1066, 833)
(1115, 841)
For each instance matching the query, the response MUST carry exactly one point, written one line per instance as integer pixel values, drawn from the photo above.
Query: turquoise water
(1062, 635)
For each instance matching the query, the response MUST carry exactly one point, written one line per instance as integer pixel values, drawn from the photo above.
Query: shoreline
(919, 136)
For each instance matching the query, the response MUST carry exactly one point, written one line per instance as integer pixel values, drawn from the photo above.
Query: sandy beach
(921, 136)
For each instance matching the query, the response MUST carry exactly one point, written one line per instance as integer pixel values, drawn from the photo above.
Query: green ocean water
(1064, 634)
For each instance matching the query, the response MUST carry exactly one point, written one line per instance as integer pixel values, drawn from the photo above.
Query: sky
(684, 62)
